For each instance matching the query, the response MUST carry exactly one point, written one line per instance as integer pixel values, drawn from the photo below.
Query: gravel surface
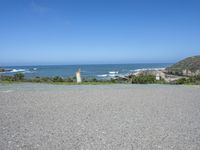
(107, 117)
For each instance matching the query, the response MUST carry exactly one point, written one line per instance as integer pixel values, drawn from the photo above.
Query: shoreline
(141, 76)
(102, 71)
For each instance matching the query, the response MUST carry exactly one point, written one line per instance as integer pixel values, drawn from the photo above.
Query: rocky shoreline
(158, 74)
(189, 67)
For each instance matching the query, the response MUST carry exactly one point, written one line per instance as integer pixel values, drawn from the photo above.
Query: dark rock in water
(5, 70)
(2, 70)
(187, 67)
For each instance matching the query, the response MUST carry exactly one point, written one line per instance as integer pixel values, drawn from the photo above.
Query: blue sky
(98, 31)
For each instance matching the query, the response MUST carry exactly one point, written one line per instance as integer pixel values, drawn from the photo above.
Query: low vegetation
(15, 77)
(145, 79)
(141, 79)
(195, 80)
(19, 77)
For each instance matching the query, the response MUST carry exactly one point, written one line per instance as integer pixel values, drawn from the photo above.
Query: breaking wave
(21, 71)
(113, 72)
(17, 70)
(102, 75)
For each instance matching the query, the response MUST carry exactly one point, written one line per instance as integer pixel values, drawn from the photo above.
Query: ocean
(88, 71)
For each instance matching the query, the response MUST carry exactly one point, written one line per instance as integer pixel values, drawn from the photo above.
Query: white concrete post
(78, 76)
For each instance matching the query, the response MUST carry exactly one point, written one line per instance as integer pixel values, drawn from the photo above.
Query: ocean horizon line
(98, 64)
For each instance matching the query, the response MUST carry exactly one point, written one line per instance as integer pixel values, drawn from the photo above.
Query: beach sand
(94, 117)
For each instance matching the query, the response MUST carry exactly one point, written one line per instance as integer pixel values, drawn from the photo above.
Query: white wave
(112, 75)
(18, 70)
(34, 69)
(113, 72)
(136, 73)
(120, 75)
(102, 75)
(147, 69)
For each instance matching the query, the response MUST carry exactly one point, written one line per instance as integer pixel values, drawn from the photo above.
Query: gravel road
(106, 117)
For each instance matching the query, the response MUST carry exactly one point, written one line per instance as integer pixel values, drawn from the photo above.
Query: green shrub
(84, 80)
(143, 79)
(74, 78)
(189, 80)
(193, 80)
(41, 79)
(181, 81)
(94, 80)
(112, 80)
(18, 77)
(69, 79)
(57, 79)
(46, 79)
(35, 79)
(7, 78)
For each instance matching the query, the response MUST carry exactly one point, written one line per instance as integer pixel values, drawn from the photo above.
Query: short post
(157, 76)
(78, 76)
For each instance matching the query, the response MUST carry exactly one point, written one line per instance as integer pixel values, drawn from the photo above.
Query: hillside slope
(186, 67)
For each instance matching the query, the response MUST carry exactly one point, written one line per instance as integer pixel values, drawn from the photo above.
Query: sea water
(104, 71)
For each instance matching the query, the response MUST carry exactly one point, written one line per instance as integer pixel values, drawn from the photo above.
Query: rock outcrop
(2, 70)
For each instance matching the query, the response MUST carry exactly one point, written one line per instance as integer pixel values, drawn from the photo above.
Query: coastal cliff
(186, 67)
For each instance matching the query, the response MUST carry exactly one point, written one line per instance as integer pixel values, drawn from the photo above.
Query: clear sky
(98, 31)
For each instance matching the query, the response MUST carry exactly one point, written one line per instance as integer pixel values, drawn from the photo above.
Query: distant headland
(186, 71)
(186, 67)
